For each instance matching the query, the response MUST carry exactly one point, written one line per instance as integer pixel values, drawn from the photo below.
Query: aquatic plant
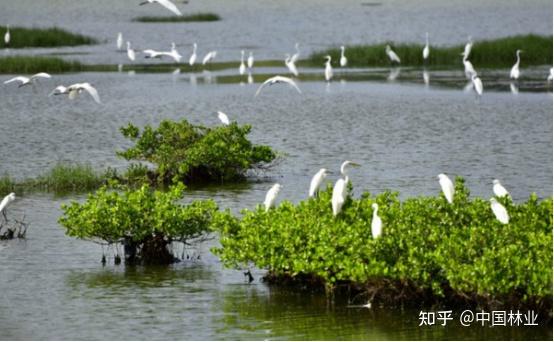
(144, 220)
(30, 65)
(22, 37)
(429, 249)
(195, 17)
(487, 53)
(185, 152)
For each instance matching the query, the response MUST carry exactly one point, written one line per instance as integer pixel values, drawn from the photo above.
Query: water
(403, 134)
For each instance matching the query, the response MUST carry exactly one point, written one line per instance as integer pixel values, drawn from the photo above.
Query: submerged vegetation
(43, 37)
(196, 17)
(429, 250)
(487, 53)
(30, 65)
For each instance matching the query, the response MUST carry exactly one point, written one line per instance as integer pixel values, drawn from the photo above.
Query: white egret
(250, 60)
(7, 36)
(271, 196)
(192, 58)
(173, 53)
(242, 67)
(340, 188)
(499, 211)
(328, 69)
(343, 59)
(477, 84)
(165, 3)
(223, 118)
(209, 57)
(426, 48)
(291, 65)
(294, 57)
(119, 41)
(5, 202)
(499, 190)
(76, 89)
(469, 71)
(392, 55)
(447, 187)
(467, 48)
(317, 179)
(514, 73)
(149, 53)
(28, 80)
(551, 75)
(130, 52)
(278, 79)
(376, 222)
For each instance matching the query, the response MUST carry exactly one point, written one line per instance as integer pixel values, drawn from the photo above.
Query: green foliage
(180, 19)
(32, 65)
(185, 152)
(42, 37)
(488, 53)
(435, 246)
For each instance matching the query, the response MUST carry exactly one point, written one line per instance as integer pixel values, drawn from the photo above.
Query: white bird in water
(328, 69)
(173, 53)
(426, 48)
(477, 84)
(242, 67)
(376, 222)
(192, 58)
(278, 79)
(392, 55)
(467, 48)
(28, 80)
(291, 65)
(469, 71)
(209, 57)
(250, 60)
(514, 73)
(499, 190)
(76, 89)
(317, 179)
(165, 3)
(447, 187)
(550, 76)
(499, 211)
(295, 57)
(343, 59)
(119, 41)
(223, 118)
(5, 202)
(340, 188)
(7, 36)
(271, 196)
(130, 52)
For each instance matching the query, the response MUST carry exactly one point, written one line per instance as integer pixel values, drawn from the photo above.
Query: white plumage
(209, 57)
(499, 211)
(6, 201)
(392, 55)
(130, 52)
(7, 36)
(289, 62)
(242, 67)
(192, 58)
(76, 89)
(278, 79)
(426, 48)
(271, 196)
(28, 80)
(328, 69)
(223, 118)
(340, 188)
(165, 3)
(343, 59)
(499, 190)
(376, 222)
(514, 73)
(317, 179)
(119, 41)
(250, 60)
(447, 187)
(477, 84)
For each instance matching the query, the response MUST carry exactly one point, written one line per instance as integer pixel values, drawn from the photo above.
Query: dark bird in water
(249, 275)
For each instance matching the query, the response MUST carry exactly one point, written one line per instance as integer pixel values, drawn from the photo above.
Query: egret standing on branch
(28, 80)
(393, 57)
(223, 118)
(7, 36)
(278, 79)
(271, 196)
(340, 188)
(514, 73)
(499, 190)
(317, 179)
(499, 211)
(376, 222)
(165, 3)
(447, 187)
(426, 48)
(343, 59)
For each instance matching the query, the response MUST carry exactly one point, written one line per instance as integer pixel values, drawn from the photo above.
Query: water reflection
(514, 88)
(393, 75)
(426, 78)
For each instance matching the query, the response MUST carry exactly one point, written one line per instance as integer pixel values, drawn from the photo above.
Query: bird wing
(42, 75)
(170, 6)
(91, 90)
(266, 82)
(58, 90)
(21, 79)
(290, 82)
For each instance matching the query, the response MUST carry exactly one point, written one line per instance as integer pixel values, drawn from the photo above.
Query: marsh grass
(488, 53)
(29, 65)
(196, 17)
(50, 37)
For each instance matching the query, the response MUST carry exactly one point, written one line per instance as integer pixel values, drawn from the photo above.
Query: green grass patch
(48, 37)
(428, 247)
(487, 53)
(196, 17)
(31, 65)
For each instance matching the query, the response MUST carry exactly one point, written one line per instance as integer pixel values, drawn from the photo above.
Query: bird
(291, 65)
(173, 53)
(467, 48)
(7, 36)
(392, 55)
(271, 196)
(328, 69)
(469, 71)
(209, 57)
(242, 67)
(447, 187)
(426, 48)
(339, 190)
(278, 79)
(119, 41)
(499, 211)
(317, 179)
(376, 222)
(514, 73)
(192, 58)
(550, 76)
(5, 202)
(477, 84)
(165, 3)
(343, 59)
(130, 52)
(294, 57)
(223, 118)
(75, 89)
(499, 190)
(28, 80)
(250, 60)
(149, 53)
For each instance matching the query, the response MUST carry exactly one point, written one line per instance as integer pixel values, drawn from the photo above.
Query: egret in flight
(340, 188)
(223, 118)
(294, 57)
(76, 89)
(467, 48)
(392, 55)
(5, 202)
(343, 59)
(271, 196)
(514, 73)
(209, 57)
(447, 187)
(376, 222)
(477, 84)
(7, 36)
(192, 58)
(242, 67)
(119, 41)
(317, 179)
(165, 3)
(499, 211)
(278, 79)
(328, 69)
(250, 60)
(130, 52)
(291, 65)
(149, 53)
(499, 190)
(426, 48)
(28, 80)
